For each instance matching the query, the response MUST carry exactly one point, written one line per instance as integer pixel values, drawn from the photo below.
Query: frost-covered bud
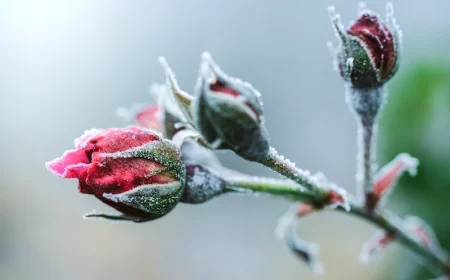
(376, 243)
(368, 54)
(386, 179)
(130, 169)
(205, 175)
(228, 113)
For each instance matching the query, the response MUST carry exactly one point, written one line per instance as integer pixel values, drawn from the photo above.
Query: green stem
(282, 188)
(391, 223)
(385, 220)
(286, 168)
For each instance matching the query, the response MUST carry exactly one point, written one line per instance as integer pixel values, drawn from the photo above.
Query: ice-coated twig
(384, 220)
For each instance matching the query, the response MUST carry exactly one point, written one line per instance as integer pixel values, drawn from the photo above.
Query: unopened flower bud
(130, 169)
(228, 113)
(204, 173)
(368, 54)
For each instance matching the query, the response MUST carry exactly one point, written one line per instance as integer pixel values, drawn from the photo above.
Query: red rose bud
(182, 99)
(130, 169)
(387, 177)
(228, 113)
(376, 243)
(368, 54)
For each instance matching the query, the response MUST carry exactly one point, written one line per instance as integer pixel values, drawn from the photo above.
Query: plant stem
(438, 262)
(286, 168)
(366, 104)
(282, 188)
(383, 219)
(366, 158)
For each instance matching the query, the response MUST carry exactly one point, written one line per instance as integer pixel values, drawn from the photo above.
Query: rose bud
(374, 245)
(204, 173)
(387, 177)
(228, 113)
(131, 169)
(368, 54)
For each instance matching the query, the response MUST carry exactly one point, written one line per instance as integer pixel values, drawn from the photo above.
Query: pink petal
(70, 164)
(148, 117)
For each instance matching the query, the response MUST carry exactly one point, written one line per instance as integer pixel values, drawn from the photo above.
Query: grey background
(65, 66)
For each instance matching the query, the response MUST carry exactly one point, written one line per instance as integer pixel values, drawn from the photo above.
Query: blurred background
(65, 66)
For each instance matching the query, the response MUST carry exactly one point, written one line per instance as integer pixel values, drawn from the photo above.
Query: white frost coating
(131, 152)
(306, 251)
(81, 141)
(373, 246)
(171, 80)
(337, 24)
(286, 222)
(183, 135)
(182, 98)
(349, 64)
(315, 181)
(406, 163)
(207, 60)
(215, 100)
(163, 189)
(391, 20)
(409, 163)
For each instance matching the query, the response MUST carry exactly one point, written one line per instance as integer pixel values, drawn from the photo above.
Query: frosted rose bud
(131, 169)
(204, 173)
(368, 54)
(228, 113)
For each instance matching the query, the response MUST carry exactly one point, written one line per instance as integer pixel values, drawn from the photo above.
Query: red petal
(222, 88)
(70, 164)
(148, 117)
